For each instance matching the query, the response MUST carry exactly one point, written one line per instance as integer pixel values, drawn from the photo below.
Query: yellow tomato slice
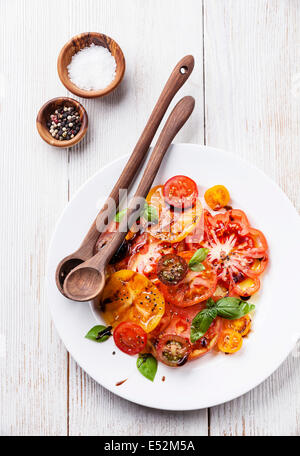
(230, 341)
(241, 325)
(131, 296)
(173, 225)
(217, 197)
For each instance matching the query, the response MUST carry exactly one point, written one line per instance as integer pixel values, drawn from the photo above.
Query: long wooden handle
(175, 122)
(179, 75)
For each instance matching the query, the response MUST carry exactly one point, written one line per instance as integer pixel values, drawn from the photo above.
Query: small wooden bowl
(79, 42)
(44, 116)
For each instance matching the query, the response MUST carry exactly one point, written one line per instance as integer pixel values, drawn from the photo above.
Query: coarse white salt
(92, 68)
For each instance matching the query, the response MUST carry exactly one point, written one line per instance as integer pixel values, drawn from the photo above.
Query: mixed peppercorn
(64, 123)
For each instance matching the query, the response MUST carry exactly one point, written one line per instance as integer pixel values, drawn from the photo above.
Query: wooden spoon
(87, 280)
(179, 75)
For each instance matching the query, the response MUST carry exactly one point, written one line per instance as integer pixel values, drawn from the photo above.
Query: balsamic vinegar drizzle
(121, 382)
(104, 332)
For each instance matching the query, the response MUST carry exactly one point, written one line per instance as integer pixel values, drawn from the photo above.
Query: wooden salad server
(179, 75)
(87, 280)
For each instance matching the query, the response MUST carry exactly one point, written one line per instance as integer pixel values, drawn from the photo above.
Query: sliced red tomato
(208, 341)
(180, 191)
(237, 251)
(179, 323)
(258, 266)
(164, 322)
(259, 240)
(247, 287)
(173, 350)
(195, 286)
(232, 220)
(130, 338)
(220, 292)
(181, 319)
(238, 219)
(261, 261)
(146, 251)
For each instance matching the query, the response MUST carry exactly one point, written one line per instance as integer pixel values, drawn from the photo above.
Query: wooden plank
(252, 109)
(33, 391)
(153, 36)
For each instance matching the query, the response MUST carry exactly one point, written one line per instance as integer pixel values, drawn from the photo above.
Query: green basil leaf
(197, 267)
(201, 323)
(120, 215)
(147, 365)
(96, 333)
(150, 213)
(195, 263)
(210, 303)
(233, 308)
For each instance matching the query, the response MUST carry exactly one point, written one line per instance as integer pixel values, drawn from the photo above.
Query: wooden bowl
(44, 116)
(79, 42)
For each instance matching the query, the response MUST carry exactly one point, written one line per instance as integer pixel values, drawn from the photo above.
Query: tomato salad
(180, 284)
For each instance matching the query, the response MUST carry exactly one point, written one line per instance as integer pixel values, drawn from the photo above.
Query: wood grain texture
(87, 280)
(86, 249)
(251, 94)
(251, 58)
(33, 189)
(39, 393)
(138, 28)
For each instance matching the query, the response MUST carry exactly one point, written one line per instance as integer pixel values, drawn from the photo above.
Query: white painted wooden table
(247, 88)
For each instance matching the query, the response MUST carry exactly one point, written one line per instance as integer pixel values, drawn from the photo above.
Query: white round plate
(214, 378)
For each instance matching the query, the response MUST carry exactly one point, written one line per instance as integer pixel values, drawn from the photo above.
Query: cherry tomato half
(180, 191)
(230, 341)
(173, 350)
(217, 197)
(171, 269)
(130, 338)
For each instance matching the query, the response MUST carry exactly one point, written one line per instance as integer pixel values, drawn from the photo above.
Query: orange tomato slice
(217, 197)
(131, 296)
(230, 341)
(173, 225)
(241, 325)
